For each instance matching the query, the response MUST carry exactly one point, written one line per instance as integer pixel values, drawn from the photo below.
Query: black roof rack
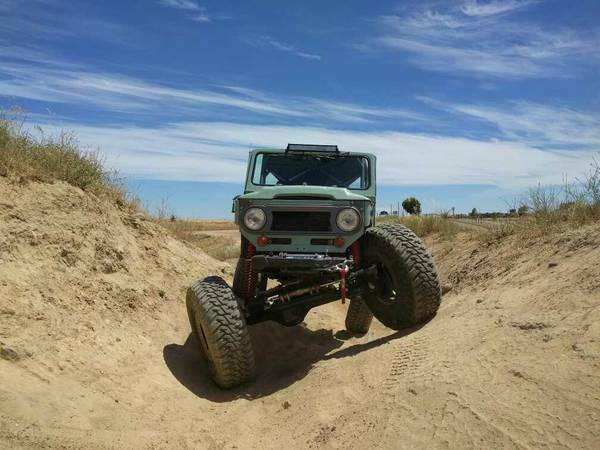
(312, 148)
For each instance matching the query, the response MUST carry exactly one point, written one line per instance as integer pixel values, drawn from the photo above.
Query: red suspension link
(343, 273)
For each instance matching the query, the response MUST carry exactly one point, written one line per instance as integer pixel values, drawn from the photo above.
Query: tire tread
(359, 316)
(212, 303)
(406, 247)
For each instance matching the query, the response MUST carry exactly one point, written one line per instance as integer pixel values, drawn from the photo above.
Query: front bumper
(296, 262)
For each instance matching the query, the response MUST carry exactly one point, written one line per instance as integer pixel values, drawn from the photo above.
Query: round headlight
(254, 219)
(348, 219)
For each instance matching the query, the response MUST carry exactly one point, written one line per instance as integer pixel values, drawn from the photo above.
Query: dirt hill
(96, 353)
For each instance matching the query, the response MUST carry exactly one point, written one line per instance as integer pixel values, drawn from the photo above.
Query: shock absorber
(250, 277)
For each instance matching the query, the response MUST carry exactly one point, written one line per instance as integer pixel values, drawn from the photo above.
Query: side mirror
(233, 203)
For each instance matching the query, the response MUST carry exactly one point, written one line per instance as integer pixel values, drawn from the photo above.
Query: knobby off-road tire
(238, 278)
(407, 289)
(219, 325)
(359, 316)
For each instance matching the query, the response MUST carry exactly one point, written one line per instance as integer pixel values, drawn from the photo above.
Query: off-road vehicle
(307, 223)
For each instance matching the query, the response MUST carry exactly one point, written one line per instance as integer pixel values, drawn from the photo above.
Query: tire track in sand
(410, 363)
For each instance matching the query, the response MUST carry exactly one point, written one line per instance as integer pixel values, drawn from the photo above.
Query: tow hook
(343, 272)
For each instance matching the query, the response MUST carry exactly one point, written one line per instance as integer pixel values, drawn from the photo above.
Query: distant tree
(173, 218)
(524, 209)
(474, 212)
(412, 206)
(512, 211)
(383, 213)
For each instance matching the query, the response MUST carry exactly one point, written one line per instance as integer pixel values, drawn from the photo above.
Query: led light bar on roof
(312, 148)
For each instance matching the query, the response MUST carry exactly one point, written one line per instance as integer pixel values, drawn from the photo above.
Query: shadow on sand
(284, 355)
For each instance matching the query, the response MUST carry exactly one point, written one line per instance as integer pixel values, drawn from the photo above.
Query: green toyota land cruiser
(307, 223)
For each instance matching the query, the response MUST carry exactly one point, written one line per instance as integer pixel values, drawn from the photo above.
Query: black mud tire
(359, 316)
(406, 290)
(219, 325)
(238, 278)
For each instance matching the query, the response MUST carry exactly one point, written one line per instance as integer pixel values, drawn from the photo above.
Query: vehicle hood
(297, 192)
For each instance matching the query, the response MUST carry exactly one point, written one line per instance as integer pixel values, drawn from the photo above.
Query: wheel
(405, 290)
(218, 323)
(359, 316)
(238, 278)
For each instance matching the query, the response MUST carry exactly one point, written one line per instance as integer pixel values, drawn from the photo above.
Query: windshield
(276, 169)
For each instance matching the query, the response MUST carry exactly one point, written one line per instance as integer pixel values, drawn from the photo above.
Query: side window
(270, 179)
(258, 162)
(365, 180)
(356, 184)
(362, 181)
(262, 176)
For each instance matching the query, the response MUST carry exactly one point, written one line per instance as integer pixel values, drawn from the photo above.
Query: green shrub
(411, 205)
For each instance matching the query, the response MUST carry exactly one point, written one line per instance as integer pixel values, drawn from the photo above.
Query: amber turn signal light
(339, 242)
(262, 241)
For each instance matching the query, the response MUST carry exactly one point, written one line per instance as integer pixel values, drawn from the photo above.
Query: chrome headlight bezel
(255, 212)
(348, 213)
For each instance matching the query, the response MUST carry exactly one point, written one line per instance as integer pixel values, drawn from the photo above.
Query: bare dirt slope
(96, 349)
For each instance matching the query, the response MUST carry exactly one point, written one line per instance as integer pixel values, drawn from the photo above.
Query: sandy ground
(96, 350)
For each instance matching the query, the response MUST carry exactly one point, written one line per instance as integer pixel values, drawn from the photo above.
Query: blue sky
(466, 103)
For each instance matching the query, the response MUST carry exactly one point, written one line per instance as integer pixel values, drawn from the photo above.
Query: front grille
(321, 241)
(280, 241)
(301, 221)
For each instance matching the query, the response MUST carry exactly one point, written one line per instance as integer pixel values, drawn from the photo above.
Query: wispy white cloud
(543, 126)
(482, 39)
(442, 58)
(22, 21)
(181, 4)
(268, 41)
(201, 17)
(217, 151)
(32, 75)
(348, 112)
(309, 55)
(193, 10)
(476, 8)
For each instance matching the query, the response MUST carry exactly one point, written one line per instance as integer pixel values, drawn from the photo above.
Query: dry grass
(557, 208)
(219, 247)
(222, 247)
(193, 225)
(549, 209)
(45, 159)
(424, 225)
